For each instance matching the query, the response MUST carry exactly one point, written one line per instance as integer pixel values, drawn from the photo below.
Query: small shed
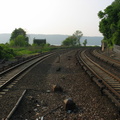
(39, 41)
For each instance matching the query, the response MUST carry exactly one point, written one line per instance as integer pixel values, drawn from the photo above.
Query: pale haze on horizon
(52, 16)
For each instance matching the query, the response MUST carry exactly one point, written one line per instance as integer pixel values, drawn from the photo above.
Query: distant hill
(54, 39)
(4, 38)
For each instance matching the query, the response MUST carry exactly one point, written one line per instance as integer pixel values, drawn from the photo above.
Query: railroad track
(9, 65)
(16, 105)
(10, 76)
(105, 58)
(109, 84)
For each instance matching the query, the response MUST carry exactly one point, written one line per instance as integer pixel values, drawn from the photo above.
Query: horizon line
(56, 34)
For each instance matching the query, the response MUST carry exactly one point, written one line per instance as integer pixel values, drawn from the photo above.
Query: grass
(12, 52)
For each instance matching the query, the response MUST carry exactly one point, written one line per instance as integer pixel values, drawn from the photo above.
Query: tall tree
(78, 34)
(19, 37)
(109, 25)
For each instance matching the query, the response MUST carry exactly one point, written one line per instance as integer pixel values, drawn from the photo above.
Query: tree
(19, 41)
(19, 38)
(6, 52)
(78, 34)
(85, 42)
(109, 25)
(73, 40)
(70, 41)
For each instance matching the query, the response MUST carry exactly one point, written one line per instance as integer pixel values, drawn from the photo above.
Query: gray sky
(52, 16)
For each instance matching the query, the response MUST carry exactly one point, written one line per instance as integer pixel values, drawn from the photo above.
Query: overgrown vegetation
(19, 46)
(110, 23)
(6, 52)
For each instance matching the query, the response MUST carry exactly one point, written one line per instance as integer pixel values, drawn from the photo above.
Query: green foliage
(73, 40)
(6, 52)
(85, 42)
(70, 41)
(78, 34)
(100, 14)
(19, 38)
(109, 25)
(24, 52)
(19, 41)
(34, 49)
(34, 45)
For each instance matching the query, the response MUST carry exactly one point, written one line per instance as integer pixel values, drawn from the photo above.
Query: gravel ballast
(40, 101)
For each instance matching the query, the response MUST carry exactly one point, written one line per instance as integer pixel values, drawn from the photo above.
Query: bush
(6, 52)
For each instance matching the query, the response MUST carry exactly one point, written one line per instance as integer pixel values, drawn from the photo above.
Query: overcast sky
(52, 16)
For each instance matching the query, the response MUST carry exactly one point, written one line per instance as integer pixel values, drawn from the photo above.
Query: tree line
(19, 45)
(109, 25)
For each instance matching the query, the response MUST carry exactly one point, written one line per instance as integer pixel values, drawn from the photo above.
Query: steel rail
(105, 58)
(105, 71)
(10, 80)
(93, 73)
(16, 105)
(19, 64)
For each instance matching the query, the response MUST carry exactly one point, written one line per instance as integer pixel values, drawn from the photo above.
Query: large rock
(57, 88)
(69, 105)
